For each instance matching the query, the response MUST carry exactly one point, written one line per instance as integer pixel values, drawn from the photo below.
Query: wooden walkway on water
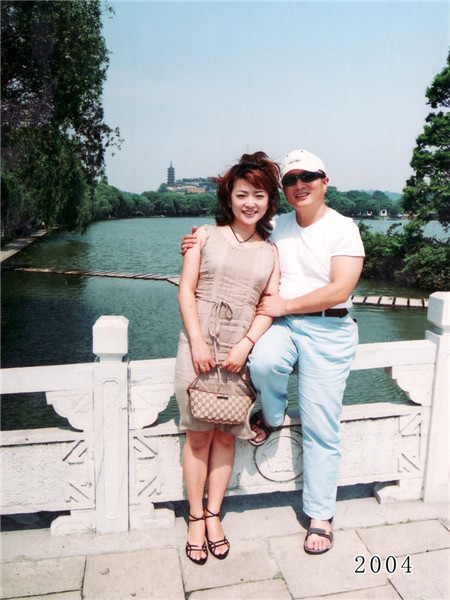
(383, 301)
(174, 279)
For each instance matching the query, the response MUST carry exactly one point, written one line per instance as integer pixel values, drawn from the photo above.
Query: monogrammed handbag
(220, 406)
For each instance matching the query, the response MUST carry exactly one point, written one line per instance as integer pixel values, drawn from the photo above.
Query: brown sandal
(328, 534)
(214, 545)
(194, 547)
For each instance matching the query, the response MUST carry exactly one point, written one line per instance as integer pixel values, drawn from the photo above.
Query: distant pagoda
(171, 175)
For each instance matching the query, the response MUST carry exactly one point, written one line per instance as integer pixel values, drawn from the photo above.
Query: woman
(222, 280)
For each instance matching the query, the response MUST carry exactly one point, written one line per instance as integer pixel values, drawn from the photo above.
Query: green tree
(143, 205)
(407, 257)
(340, 202)
(382, 199)
(427, 193)
(151, 197)
(166, 204)
(395, 209)
(429, 268)
(54, 62)
(363, 202)
(102, 208)
(384, 253)
(284, 206)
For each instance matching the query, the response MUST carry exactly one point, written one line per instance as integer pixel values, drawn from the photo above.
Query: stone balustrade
(118, 459)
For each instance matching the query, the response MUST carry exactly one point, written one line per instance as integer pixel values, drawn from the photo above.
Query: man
(321, 258)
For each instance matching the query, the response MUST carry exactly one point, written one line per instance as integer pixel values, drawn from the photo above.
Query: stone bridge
(117, 459)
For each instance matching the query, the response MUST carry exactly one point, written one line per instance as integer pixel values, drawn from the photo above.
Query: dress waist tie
(219, 309)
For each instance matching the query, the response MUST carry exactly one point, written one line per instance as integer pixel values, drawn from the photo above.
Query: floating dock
(174, 279)
(383, 301)
(389, 301)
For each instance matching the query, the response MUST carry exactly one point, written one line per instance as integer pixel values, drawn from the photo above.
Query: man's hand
(188, 241)
(272, 305)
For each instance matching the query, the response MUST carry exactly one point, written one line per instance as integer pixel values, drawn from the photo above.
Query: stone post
(110, 344)
(436, 479)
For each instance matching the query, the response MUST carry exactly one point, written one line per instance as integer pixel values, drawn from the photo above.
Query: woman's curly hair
(262, 173)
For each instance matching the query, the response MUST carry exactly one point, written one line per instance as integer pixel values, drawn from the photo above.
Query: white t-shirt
(306, 252)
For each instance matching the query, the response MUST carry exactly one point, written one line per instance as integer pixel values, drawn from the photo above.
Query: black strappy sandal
(214, 545)
(194, 547)
(258, 420)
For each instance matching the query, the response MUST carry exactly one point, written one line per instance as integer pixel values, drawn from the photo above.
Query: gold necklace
(242, 241)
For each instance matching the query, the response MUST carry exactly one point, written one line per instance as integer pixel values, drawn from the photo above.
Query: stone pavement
(17, 245)
(381, 552)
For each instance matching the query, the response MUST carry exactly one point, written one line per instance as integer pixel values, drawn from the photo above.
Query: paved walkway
(12, 248)
(381, 552)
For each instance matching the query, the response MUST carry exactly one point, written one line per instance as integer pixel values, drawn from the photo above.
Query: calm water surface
(48, 319)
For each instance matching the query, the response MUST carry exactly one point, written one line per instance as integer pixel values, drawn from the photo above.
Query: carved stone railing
(119, 460)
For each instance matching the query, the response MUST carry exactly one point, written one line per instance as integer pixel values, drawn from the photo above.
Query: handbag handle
(218, 369)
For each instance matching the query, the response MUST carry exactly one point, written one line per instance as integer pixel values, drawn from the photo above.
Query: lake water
(47, 318)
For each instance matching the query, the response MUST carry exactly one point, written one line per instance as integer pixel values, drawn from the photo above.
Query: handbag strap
(218, 369)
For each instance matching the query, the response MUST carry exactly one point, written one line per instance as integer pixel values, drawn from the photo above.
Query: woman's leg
(221, 461)
(196, 453)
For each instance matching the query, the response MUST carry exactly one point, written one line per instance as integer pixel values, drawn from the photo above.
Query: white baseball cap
(303, 160)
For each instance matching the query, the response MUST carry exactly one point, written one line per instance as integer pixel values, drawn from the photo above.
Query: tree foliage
(175, 204)
(110, 202)
(359, 204)
(403, 255)
(407, 257)
(427, 192)
(54, 62)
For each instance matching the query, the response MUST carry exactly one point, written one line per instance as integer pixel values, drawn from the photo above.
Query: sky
(200, 83)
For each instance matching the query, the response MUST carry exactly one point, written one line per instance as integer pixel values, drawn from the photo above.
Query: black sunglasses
(305, 176)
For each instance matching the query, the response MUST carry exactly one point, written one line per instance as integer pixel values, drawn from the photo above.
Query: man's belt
(330, 312)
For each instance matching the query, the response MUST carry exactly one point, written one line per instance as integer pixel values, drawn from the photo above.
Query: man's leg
(270, 363)
(326, 348)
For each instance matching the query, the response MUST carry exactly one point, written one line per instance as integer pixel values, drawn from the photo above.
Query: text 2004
(375, 563)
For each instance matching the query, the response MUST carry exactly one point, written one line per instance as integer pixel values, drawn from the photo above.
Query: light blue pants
(324, 348)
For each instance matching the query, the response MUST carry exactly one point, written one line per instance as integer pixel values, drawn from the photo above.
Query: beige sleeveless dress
(231, 280)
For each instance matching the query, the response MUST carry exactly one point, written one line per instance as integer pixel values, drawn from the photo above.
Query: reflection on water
(132, 245)
(48, 318)
(382, 325)
(124, 245)
(431, 229)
